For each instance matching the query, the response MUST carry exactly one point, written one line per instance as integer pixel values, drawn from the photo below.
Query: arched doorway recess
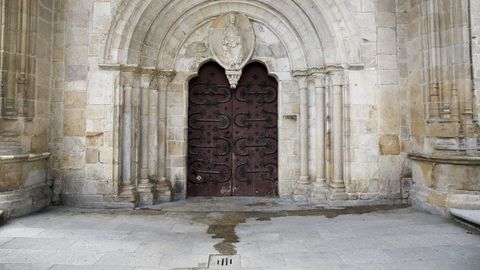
(164, 48)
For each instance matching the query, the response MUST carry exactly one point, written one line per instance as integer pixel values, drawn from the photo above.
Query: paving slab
(291, 237)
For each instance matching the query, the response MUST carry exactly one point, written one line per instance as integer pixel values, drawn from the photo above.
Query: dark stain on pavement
(223, 224)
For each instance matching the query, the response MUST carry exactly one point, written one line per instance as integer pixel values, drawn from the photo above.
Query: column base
(145, 192)
(303, 181)
(128, 193)
(339, 191)
(163, 191)
(302, 189)
(319, 191)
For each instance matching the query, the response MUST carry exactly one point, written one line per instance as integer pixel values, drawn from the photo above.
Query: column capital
(337, 77)
(301, 76)
(319, 79)
(165, 74)
(161, 78)
(127, 78)
(129, 74)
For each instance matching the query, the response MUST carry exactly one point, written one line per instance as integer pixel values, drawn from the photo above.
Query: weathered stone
(175, 148)
(11, 177)
(389, 145)
(387, 41)
(74, 122)
(76, 72)
(74, 99)
(91, 155)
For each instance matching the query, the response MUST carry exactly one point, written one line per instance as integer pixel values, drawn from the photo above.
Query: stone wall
(25, 60)
(475, 43)
(444, 109)
(82, 109)
(98, 41)
(26, 70)
(375, 114)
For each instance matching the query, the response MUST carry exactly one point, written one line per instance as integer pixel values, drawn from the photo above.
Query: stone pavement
(182, 237)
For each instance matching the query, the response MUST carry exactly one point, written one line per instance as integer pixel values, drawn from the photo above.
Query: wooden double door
(232, 133)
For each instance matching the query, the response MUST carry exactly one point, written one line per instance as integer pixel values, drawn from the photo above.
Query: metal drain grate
(216, 261)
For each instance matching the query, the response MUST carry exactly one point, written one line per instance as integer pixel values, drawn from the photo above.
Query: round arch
(137, 32)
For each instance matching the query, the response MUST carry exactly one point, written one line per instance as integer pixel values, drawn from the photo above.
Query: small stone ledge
(472, 216)
(23, 157)
(446, 159)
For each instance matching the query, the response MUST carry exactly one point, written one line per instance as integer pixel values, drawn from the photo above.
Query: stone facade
(363, 84)
(444, 135)
(25, 85)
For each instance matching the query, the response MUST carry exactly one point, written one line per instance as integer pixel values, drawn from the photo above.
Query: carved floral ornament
(231, 43)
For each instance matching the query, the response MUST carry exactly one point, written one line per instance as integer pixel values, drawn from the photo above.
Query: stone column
(302, 187)
(153, 129)
(127, 190)
(145, 187)
(163, 188)
(319, 185)
(338, 184)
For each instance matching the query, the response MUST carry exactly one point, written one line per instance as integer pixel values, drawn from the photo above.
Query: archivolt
(150, 32)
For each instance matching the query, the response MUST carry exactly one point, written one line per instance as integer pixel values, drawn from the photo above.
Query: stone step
(471, 216)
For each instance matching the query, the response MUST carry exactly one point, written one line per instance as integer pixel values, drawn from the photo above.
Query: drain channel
(218, 261)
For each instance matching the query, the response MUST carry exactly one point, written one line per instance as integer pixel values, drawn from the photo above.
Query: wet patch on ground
(222, 225)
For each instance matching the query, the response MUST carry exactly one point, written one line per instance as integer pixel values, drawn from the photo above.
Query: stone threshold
(260, 204)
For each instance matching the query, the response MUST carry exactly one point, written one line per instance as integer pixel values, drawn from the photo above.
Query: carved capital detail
(164, 77)
(319, 79)
(301, 77)
(338, 77)
(127, 78)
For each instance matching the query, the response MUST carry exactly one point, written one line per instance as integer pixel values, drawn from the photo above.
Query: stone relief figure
(232, 42)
